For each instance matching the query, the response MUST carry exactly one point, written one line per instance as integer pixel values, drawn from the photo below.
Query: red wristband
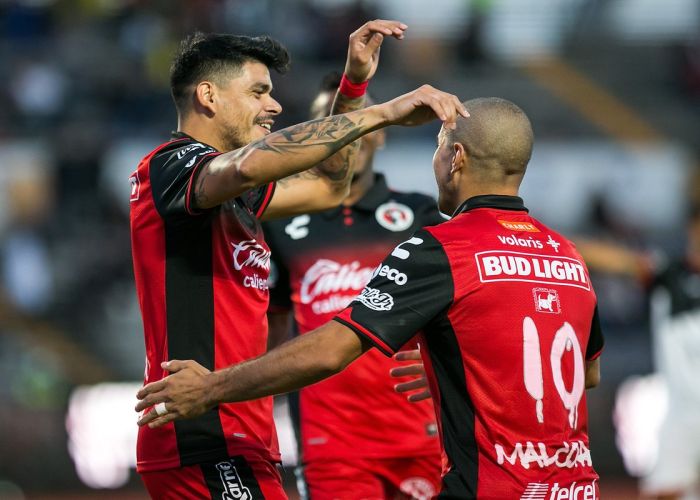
(352, 90)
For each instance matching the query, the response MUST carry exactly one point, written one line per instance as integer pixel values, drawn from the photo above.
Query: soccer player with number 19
(506, 312)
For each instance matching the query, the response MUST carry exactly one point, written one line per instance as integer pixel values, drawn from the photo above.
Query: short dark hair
(204, 56)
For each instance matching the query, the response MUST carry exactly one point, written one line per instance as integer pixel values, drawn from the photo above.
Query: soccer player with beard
(200, 260)
(510, 338)
(357, 436)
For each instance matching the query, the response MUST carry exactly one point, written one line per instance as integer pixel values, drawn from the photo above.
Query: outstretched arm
(299, 147)
(329, 181)
(191, 390)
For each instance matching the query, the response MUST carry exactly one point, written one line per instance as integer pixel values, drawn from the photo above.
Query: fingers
(150, 389)
(153, 420)
(419, 396)
(175, 365)
(406, 371)
(447, 107)
(419, 383)
(383, 26)
(412, 355)
(375, 42)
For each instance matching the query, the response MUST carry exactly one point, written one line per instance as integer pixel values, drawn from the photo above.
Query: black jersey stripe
(231, 478)
(456, 411)
(189, 302)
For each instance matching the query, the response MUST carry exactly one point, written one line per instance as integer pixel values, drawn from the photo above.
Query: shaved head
(497, 138)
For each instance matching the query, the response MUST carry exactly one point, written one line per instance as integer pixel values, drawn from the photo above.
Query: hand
(422, 106)
(415, 370)
(364, 45)
(185, 394)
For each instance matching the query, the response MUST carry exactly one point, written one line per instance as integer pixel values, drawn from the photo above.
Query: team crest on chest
(394, 216)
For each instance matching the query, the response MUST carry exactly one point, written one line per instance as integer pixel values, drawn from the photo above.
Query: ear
(459, 158)
(204, 97)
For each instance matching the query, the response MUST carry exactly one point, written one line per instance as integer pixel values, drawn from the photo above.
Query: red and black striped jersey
(508, 315)
(322, 262)
(201, 280)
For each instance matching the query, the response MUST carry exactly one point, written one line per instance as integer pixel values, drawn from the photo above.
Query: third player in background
(357, 437)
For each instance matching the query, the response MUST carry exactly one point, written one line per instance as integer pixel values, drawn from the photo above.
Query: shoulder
(177, 150)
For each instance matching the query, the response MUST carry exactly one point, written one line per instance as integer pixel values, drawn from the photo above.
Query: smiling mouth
(266, 125)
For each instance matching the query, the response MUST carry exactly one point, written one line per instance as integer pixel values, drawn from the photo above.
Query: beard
(232, 138)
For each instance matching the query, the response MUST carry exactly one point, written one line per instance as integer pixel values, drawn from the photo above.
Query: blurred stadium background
(612, 88)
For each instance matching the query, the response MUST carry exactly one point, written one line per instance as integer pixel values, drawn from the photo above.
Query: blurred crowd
(81, 76)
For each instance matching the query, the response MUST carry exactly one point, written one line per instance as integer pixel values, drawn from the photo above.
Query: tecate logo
(327, 276)
(250, 253)
(375, 300)
(233, 486)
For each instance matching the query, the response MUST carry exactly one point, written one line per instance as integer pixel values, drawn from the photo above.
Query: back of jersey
(522, 317)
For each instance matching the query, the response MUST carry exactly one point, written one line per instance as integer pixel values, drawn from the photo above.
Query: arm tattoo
(331, 132)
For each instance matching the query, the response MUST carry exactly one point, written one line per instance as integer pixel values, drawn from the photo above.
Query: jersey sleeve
(258, 199)
(172, 173)
(408, 289)
(595, 340)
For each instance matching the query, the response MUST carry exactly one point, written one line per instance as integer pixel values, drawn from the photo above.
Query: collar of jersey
(377, 194)
(176, 134)
(498, 201)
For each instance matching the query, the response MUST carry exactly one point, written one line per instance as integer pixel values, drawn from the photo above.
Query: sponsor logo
(417, 488)
(391, 274)
(575, 491)
(546, 300)
(375, 300)
(503, 265)
(394, 216)
(135, 186)
(327, 276)
(514, 241)
(296, 229)
(553, 243)
(251, 254)
(528, 227)
(568, 456)
(234, 489)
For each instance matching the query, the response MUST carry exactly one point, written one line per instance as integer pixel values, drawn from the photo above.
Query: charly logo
(394, 216)
(298, 227)
(250, 253)
(375, 300)
(234, 489)
(328, 277)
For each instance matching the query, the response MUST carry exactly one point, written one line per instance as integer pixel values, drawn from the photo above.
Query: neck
(359, 187)
(479, 190)
(202, 132)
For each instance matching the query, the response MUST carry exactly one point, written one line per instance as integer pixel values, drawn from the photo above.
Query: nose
(273, 107)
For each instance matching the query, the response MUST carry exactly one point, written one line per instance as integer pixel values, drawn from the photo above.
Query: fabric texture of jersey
(201, 281)
(414, 478)
(508, 316)
(322, 262)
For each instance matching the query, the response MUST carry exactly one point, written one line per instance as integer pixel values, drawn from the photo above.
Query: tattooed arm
(299, 147)
(329, 181)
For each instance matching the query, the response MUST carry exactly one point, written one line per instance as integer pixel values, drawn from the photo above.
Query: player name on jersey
(500, 265)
